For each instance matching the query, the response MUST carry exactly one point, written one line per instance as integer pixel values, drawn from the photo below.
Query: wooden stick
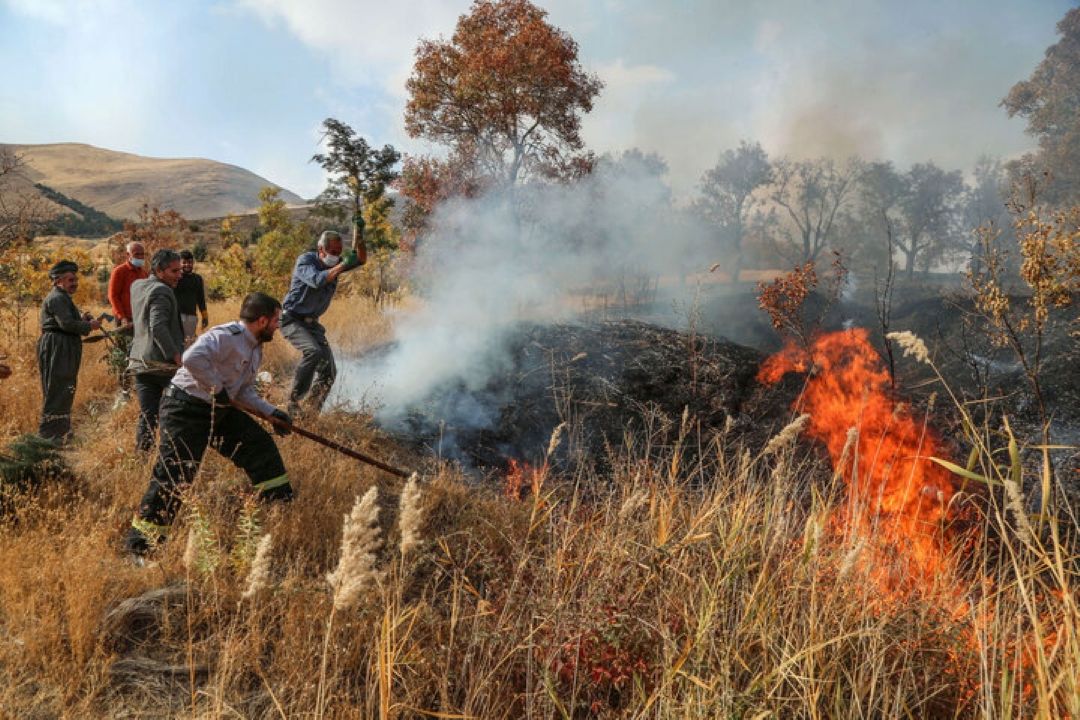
(339, 447)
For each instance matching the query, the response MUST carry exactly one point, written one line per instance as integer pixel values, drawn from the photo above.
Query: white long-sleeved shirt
(225, 357)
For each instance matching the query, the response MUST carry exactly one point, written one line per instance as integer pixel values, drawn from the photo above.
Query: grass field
(631, 594)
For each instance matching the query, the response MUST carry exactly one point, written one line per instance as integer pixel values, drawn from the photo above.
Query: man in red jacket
(123, 275)
(127, 272)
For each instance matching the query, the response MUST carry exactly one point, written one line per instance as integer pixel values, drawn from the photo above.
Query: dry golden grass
(658, 600)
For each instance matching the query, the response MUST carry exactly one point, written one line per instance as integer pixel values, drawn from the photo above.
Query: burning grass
(734, 597)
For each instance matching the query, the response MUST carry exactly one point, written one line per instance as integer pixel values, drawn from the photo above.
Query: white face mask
(331, 260)
(137, 262)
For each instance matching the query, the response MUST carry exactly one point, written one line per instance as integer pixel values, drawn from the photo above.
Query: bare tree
(728, 195)
(811, 194)
(22, 210)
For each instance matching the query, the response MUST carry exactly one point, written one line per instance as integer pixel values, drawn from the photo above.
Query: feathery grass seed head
(786, 436)
(556, 439)
(410, 516)
(1016, 506)
(911, 344)
(259, 576)
(360, 540)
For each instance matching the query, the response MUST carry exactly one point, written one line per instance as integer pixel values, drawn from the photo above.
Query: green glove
(349, 260)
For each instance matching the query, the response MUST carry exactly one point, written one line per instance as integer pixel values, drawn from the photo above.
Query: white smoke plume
(532, 256)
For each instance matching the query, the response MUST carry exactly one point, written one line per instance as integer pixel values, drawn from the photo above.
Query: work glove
(283, 416)
(350, 260)
(222, 399)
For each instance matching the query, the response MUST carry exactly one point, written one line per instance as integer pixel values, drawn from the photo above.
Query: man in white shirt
(206, 404)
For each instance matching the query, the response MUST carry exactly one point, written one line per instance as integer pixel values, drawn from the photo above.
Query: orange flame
(521, 477)
(898, 500)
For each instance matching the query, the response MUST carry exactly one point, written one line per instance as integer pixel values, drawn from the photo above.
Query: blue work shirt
(309, 293)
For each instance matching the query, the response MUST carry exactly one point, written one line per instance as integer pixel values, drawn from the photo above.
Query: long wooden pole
(333, 445)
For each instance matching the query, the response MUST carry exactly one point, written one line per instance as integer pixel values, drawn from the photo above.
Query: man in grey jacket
(158, 342)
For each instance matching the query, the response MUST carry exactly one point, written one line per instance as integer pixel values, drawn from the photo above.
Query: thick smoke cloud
(530, 256)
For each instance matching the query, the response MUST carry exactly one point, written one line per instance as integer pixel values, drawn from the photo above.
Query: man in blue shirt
(314, 282)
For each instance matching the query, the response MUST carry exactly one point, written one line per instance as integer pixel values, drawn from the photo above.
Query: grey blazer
(158, 333)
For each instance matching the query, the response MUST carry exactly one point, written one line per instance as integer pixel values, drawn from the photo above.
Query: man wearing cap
(208, 403)
(158, 342)
(190, 296)
(312, 287)
(60, 350)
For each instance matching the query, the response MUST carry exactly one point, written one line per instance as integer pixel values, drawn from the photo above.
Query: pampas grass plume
(191, 550)
(360, 540)
(410, 516)
(259, 575)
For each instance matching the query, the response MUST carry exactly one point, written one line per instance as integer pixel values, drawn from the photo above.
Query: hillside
(118, 183)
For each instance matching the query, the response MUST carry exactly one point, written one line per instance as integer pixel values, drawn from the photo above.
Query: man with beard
(191, 296)
(60, 350)
(159, 341)
(208, 404)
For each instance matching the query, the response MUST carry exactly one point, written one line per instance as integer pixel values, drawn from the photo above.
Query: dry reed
(570, 609)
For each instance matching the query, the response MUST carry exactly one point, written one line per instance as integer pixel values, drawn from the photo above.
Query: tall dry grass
(632, 594)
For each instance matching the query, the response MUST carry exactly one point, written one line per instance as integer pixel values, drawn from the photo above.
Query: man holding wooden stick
(208, 403)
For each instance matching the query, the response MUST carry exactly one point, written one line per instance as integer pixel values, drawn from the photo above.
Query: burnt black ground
(608, 380)
(620, 380)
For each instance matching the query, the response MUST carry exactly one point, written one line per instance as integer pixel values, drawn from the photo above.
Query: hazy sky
(249, 81)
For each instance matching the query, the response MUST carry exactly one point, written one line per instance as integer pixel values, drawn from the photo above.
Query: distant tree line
(84, 221)
(870, 211)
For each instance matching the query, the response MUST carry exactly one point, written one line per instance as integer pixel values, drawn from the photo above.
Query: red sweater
(120, 288)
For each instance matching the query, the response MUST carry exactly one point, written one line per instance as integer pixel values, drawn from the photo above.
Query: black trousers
(188, 425)
(59, 356)
(317, 371)
(148, 389)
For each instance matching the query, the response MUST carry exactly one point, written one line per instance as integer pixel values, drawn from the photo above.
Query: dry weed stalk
(191, 550)
(410, 516)
(258, 578)
(360, 540)
(786, 436)
(911, 344)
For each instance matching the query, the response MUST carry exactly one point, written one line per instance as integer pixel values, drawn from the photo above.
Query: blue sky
(249, 81)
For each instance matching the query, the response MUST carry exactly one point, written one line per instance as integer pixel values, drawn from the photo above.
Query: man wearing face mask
(120, 282)
(123, 275)
(208, 403)
(60, 350)
(314, 282)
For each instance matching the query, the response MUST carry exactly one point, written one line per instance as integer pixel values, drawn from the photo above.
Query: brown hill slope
(118, 183)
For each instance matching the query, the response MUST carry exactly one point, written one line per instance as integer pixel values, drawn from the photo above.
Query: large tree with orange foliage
(506, 91)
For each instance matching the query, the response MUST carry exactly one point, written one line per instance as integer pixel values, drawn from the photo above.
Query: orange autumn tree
(428, 181)
(505, 91)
